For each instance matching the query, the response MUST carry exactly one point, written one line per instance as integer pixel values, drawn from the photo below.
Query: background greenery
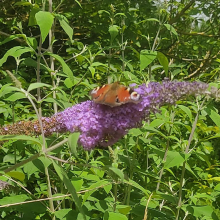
(164, 170)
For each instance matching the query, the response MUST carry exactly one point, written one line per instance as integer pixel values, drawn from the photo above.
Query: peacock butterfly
(114, 95)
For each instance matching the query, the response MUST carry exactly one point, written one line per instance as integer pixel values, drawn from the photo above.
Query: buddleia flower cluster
(100, 125)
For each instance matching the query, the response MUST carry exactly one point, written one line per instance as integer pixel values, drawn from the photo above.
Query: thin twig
(24, 189)
(55, 197)
(148, 201)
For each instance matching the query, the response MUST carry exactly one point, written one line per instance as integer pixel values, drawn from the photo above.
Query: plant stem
(123, 47)
(131, 173)
(49, 191)
(166, 152)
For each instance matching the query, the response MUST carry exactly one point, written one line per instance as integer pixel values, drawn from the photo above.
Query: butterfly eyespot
(135, 96)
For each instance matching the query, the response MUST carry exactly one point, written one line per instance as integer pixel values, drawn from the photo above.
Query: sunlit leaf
(186, 110)
(171, 28)
(19, 137)
(73, 140)
(146, 58)
(44, 20)
(65, 25)
(114, 216)
(17, 175)
(6, 200)
(33, 86)
(15, 52)
(117, 172)
(163, 61)
(16, 96)
(94, 187)
(113, 30)
(174, 159)
(66, 68)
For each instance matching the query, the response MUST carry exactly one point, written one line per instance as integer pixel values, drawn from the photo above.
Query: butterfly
(114, 95)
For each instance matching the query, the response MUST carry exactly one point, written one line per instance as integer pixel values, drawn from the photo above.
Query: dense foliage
(53, 53)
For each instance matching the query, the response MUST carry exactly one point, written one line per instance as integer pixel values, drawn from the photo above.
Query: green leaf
(6, 200)
(136, 185)
(186, 110)
(65, 179)
(36, 166)
(108, 188)
(23, 3)
(199, 211)
(117, 172)
(113, 30)
(45, 21)
(215, 117)
(124, 209)
(68, 83)
(73, 140)
(33, 86)
(135, 132)
(163, 61)
(157, 122)
(17, 175)
(174, 159)
(129, 76)
(8, 89)
(168, 197)
(217, 179)
(30, 62)
(149, 19)
(92, 177)
(20, 137)
(16, 96)
(98, 64)
(66, 68)
(217, 187)
(66, 214)
(65, 25)
(32, 20)
(120, 14)
(77, 182)
(103, 11)
(146, 58)
(153, 130)
(78, 3)
(190, 170)
(15, 52)
(94, 187)
(160, 215)
(31, 168)
(12, 37)
(32, 42)
(10, 158)
(171, 28)
(92, 70)
(114, 216)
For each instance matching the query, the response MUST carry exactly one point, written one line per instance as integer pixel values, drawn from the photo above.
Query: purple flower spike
(101, 125)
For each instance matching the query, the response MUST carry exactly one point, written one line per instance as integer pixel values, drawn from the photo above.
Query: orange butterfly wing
(114, 95)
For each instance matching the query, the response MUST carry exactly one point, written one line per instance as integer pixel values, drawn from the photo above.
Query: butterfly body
(114, 95)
